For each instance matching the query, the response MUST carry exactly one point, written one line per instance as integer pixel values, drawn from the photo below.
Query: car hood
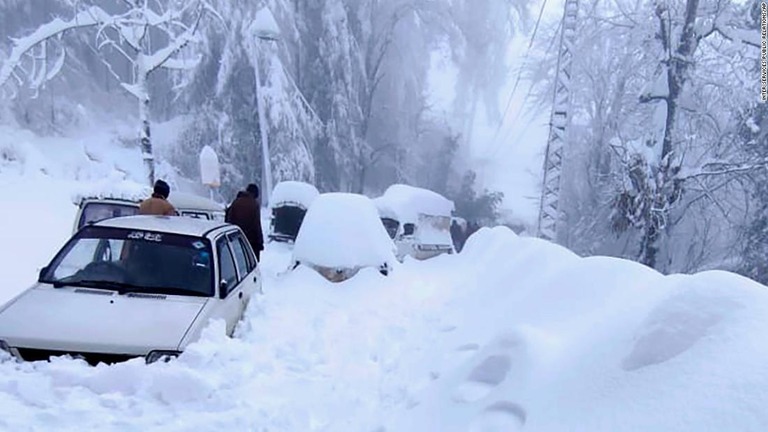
(87, 320)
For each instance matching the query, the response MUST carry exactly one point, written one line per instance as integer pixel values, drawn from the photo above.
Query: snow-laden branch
(163, 55)
(723, 168)
(92, 16)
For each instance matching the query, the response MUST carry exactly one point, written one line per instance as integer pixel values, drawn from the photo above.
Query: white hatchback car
(130, 287)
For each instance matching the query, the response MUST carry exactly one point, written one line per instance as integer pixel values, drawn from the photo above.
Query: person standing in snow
(158, 203)
(245, 212)
(456, 234)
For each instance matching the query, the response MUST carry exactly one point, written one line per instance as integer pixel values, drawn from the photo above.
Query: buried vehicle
(288, 206)
(341, 235)
(136, 286)
(94, 208)
(418, 220)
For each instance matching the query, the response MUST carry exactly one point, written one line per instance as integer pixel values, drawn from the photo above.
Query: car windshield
(287, 220)
(391, 226)
(98, 211)
(134, 261)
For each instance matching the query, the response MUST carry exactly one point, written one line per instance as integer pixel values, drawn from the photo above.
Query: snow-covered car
(136, 286)
(342, 234)
(417, 219)
(288, 206)
(97, 208)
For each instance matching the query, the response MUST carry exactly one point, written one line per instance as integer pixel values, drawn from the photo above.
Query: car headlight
(165, 356)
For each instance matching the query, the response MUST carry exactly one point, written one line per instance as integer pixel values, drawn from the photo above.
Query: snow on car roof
(293, 192)
(169, 224)
(183, 200)
(385, 210)
(125, 190)
(408, 201)
(180, 200)
(343, 230)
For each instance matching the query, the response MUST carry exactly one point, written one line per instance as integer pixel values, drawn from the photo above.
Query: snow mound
(293, 192)
(409, 201)
(343, 230)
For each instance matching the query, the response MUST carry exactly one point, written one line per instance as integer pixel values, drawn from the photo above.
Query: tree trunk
(677, 63)
(145, 136)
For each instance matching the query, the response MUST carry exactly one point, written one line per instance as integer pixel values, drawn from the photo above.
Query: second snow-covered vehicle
(288, 206)
(341, 235)
(418, 220)
(136, 286)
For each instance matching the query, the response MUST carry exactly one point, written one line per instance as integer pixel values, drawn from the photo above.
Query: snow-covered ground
(512, 334)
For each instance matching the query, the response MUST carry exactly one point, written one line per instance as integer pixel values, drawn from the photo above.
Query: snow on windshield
(343, 230)
(293, 192)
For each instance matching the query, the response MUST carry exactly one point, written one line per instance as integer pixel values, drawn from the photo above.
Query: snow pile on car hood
(408, 201)
(343, 230)
(293, 192)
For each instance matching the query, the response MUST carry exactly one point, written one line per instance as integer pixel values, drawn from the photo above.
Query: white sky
(508, 159)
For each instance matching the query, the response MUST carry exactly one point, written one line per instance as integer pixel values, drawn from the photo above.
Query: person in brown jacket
(158, 203)
(245, 212)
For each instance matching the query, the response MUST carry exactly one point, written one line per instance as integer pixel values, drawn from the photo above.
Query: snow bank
(293, 192)
(408, 201)
(343, 230)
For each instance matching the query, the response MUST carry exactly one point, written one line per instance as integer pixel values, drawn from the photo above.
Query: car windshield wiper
(127, 288)
(163, 290)
(99, 284)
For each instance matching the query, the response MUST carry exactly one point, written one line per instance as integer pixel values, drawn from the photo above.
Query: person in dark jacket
(245, 212)
(456, 235)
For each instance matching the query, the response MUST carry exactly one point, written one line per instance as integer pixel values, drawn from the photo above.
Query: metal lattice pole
(549, 213)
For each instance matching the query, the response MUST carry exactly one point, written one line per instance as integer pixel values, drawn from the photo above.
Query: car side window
(242, 254)
(227, 268)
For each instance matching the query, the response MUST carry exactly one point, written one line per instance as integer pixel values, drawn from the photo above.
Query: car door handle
(240, 294)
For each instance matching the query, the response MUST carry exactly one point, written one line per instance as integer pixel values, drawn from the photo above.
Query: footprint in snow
(484, 378)
(502, 416)
(495, 366)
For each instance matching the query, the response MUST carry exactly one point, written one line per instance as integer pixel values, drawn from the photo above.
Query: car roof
(180, 200)
(188, 201)
(168, 224)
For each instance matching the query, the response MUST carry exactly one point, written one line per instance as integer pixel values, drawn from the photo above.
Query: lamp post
(264, 28)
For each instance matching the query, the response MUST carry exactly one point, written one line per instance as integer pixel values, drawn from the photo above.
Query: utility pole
(549, 212)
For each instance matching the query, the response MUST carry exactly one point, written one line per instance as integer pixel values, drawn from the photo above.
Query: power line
(520, 71)
(507, 135)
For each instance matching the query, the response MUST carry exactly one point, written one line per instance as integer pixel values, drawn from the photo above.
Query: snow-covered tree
(147, 35)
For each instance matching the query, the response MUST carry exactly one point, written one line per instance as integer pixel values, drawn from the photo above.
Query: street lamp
(264, 28)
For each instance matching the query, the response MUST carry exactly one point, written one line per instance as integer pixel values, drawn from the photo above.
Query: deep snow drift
(511, 334)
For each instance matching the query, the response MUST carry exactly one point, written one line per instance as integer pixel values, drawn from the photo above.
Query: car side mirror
(40, 275)
(408, 229)
(223, 287)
